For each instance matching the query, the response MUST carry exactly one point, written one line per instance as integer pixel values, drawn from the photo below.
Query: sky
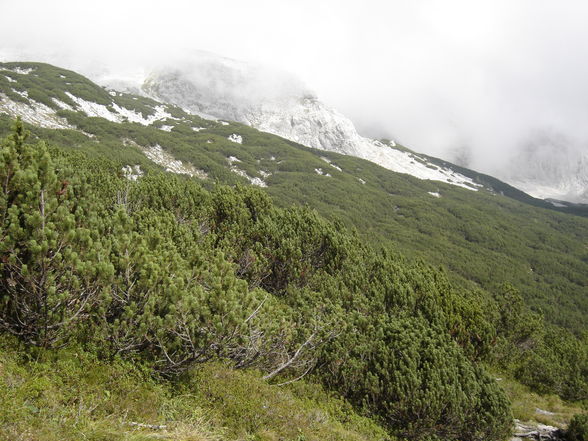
(468, 79)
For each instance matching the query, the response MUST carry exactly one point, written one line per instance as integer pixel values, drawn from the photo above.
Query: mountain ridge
(212, 85)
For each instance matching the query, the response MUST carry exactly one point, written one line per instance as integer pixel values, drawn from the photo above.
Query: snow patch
(120, 113)
(255, 181)
(137, 117)
(198, 129)
(61, 104)
(166, 128)
(224, 123)
(236, 138)
(239, 172)
(361, 180)
(19, 70)
(23, 93)
(412, 164)
(158, 155)
(328, 161)
(93, 109)
(319, 171)
(34, 113)
(434, 193)
(22, 71)
(132, 172)
(10, 80)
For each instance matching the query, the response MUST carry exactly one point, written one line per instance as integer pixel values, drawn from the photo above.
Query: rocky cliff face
(275, 102)
(278, 103)
(550, 167)
(270, 101)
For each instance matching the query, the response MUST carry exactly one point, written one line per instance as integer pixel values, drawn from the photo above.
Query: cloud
(440, 76)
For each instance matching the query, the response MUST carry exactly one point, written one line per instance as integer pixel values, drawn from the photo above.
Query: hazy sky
(435, 75)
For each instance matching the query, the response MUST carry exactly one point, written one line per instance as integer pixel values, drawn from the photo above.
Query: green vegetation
(168, 275)
(70, 394)
(220, 289)
(482, 238)
(578, 429)
(528, 406)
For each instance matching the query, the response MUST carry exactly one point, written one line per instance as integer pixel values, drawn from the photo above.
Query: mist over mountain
(153, 198)
(547, 165)
(438, 77)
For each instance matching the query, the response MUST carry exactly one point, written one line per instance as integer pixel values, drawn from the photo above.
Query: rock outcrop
(536, 431)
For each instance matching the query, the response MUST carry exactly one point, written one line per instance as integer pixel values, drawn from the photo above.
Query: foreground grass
(71, 395)
(529, 406)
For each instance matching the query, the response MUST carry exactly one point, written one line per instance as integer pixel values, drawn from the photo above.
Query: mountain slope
(550, 167)
(155, 269)
(482, 237)
(129, 405)
(163, 273)
(277, 103)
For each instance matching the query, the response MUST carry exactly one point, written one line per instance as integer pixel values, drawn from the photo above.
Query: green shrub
(578, 428)
(192, 276)
(419, 382)
(51, 254)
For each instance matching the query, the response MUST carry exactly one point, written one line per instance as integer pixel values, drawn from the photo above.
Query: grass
(71, 395)
(528, 406)
(250, 408)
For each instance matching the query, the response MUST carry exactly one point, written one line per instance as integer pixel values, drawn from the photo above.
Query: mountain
(392, 292)
(547, 167)
(550, 167)
(278, 103)
(482, 237)
(274, 102)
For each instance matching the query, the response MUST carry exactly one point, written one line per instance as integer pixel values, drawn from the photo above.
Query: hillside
(71, 394)
(310, 270)
(482, 237)
(165, 274)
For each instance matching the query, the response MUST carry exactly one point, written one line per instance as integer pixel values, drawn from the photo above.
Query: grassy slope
(481, 237)
(544, 409)
(69, 395)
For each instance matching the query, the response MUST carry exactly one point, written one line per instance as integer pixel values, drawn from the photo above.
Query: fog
(471, 81)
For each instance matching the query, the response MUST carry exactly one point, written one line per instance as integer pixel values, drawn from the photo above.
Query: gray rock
(536, 431)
